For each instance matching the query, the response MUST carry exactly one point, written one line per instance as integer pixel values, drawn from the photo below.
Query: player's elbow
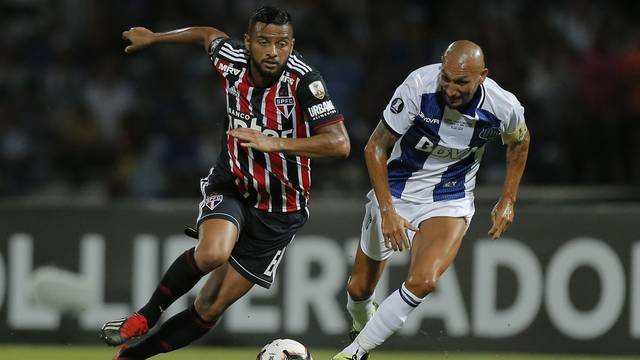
(343, 147)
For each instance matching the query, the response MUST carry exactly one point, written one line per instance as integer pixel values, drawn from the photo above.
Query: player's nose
(451, 91)
(273, 51)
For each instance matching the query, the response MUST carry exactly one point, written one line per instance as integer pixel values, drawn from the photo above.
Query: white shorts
(371, 239)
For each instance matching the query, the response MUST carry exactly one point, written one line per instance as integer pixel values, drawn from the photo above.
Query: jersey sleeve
(403, 107)
(227, 56)
(316, 102)
(513, 128)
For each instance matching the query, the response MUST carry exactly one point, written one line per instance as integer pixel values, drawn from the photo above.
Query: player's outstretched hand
(394, 231)
(501, 217)
(139, 37)
(254, 139)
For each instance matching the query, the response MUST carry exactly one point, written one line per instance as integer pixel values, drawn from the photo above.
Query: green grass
(73, 352)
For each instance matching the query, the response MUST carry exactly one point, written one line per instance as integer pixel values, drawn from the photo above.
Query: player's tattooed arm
(503, 212)
(141, 37)
(376, 156)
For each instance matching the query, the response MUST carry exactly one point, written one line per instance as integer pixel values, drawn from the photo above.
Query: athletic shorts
(263, 236)
(371, 239)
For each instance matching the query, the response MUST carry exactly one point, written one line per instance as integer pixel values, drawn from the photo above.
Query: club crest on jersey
(396, 105)
(285, 105)
(317, 89)
(212, 201)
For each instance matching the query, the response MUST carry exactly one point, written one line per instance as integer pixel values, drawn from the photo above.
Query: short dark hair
(269, 15)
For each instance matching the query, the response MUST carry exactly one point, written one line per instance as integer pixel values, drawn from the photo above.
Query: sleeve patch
(397, 105)
(516, 136)
(321, 110)
(317, 89)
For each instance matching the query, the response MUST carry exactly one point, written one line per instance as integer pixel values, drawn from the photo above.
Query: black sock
(180, 330)
(182, 275)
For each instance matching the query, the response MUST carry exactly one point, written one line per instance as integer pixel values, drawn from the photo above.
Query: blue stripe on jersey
(487, 127)
(412, 159)
(451, 185)
(432, 106)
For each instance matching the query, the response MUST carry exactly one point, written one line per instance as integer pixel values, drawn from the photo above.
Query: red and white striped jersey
(294, 106)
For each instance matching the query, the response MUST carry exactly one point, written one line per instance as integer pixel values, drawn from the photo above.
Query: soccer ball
(284, 349)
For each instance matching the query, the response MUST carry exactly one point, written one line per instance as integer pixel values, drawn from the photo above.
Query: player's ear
(483, 75)
(247, 41)
(293, 43)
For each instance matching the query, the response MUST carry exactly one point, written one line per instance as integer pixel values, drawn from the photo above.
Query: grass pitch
(73, 352)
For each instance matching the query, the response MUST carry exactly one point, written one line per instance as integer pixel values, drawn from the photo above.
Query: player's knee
(359, 289)
(210, 257)
(421, 286)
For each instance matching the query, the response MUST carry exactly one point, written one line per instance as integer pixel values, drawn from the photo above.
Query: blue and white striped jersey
(439, 150)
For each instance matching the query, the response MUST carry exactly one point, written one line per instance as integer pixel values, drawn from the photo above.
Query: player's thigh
(365, 275)
(216, 239)
(220, 220)
(223, 287)
(435, 246)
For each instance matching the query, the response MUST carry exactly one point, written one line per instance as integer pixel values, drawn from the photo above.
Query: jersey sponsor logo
(240, 119)
(450, 184)
(323, 109)
(287, 79)
(489, 133)
(212, 201)
(225, 68)
(427, 145)
(428, 120)
(285, 105)
(397, 105)
(317, 89)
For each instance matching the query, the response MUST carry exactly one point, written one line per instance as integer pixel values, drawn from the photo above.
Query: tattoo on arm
(382, 137)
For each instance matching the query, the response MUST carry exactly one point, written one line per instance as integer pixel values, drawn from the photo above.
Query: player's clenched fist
(139, 37)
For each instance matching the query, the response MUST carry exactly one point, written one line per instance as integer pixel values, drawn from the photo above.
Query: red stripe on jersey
(271, 119)
(277, 160)
(291, 198)
(257, 170)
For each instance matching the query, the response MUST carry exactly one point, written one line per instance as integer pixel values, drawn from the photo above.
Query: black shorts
(263, 236)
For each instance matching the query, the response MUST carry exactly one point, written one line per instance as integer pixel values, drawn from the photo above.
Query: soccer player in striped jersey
(279, 116)
(436, 126)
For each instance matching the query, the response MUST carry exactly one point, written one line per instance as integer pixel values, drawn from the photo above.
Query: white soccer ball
(284, 349)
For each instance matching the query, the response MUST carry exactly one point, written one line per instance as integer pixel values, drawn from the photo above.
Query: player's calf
(356, 327)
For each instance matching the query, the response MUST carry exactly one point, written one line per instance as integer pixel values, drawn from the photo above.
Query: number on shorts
(273, 266)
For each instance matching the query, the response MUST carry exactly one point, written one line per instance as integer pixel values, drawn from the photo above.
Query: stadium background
(99, 150)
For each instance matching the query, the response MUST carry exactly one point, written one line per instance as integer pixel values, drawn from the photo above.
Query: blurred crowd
(78, 117)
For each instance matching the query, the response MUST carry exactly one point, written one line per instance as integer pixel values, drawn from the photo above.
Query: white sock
(391, 315)
(361, 311)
